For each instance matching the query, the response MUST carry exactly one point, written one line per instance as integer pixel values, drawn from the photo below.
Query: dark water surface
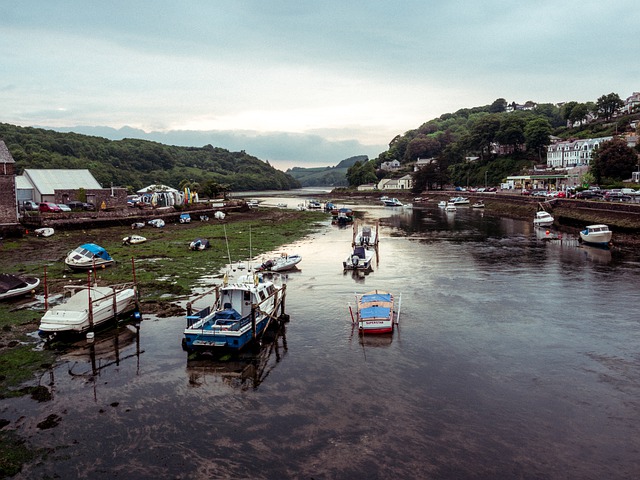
(515, 357)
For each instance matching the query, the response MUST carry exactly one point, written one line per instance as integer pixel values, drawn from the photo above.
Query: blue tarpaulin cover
(376, 297)
(375, 312)
(96, 250)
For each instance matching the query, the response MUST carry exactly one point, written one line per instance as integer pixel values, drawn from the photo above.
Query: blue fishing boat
(239, 313)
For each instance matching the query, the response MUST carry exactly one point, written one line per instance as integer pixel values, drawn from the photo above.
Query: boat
(204, 218)
(185, 218)
(451, 207)
(44, 232)
(253, 203)
(281, 205)
(156, 222)
(392, 202)
(374, 313)
(87, 307)
(459, 201)
(137, 225)
(359, 259)
(596, 235)
(88, 256)
(240, 312)
(16, 285)
(133, 240)
(219, 215)
(365, 236)
(543, 219)
(478, 204)
(281, 264)
(314, 205)
(342, 216)
(199, 244)
(442, 203)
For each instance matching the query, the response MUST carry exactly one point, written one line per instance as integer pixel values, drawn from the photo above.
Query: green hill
(138, 163)
(326, 176)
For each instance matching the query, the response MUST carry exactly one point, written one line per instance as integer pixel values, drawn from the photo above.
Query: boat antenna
(227, 242)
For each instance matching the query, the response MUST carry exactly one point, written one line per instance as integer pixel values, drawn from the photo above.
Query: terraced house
(572, 153)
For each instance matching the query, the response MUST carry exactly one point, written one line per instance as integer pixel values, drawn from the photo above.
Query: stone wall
(112, 198)
(8, 213)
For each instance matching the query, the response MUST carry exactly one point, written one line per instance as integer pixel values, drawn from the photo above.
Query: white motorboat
(543, 219)
(16, 285)
(596, 235)
(365, 235)
(359, 259)
(457, 201)
(85, 308)
(239, 314)
(392, 202)
(442, 203)
(478, 204)
(44, 232)
(219, 215)
(133, 240)
(451, 207)
(281, 264)
(88, 256)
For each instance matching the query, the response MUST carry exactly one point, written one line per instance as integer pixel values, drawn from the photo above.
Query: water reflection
(246, 370)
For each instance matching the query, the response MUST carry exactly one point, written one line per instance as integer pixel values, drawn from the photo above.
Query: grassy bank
(165, 270)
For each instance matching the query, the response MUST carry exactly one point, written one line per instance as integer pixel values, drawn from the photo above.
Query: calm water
(515, 357)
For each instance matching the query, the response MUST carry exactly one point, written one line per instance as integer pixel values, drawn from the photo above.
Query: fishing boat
(88, 256)
(16, 285)
(543, 219)
(185, 218)
(281, 264)
(365, 235)
(133, 240)
(359, 259)
(392, 202)
(44, 232)
(240, 312)
(85, 308)
(596, 235)
(342, 216)
(199, 244)
(374, 313)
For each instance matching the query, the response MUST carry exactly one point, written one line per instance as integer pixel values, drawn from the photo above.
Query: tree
(579, 113)
(498, 106)
(360, 173)
(511, 131)
(607, 105)
(613, 159)
(483, 133)
(422, 147)
(537, 135)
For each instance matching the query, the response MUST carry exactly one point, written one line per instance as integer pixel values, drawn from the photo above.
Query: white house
(390, 166)
(571, 153)
(366, 187)
(423, 162)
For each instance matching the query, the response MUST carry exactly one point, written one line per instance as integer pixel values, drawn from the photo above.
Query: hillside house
(390, 166)
(571, 153)
(422, 162)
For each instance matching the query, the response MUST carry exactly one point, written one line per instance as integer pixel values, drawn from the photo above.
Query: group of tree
(136, 163)
(486, 144)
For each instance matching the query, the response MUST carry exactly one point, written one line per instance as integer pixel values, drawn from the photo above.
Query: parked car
(617, 197)
(63, 207)
(47, 207)
(30, 205)
(75, 205)
(589, 195)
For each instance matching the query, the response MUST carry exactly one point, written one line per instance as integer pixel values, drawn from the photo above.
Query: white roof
(46, 181)
(22, 183)
(157, 188)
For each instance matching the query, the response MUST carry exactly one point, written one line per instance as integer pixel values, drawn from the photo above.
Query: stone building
(8, 206)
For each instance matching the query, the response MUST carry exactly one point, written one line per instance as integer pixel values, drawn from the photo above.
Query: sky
(300, 83)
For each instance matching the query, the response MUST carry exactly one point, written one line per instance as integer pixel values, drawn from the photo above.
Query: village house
(390, 166)
(366, 187)
(422, 162)
(572, 153)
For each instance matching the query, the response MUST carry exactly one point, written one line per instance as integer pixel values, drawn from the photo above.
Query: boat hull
(598, 235)
(203, 339)
(30, 284)
(73, 316)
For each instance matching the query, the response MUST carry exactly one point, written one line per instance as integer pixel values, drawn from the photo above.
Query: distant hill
(326, 176)
(137, 163)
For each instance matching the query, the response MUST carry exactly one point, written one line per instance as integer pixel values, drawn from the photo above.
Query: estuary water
(516, 356)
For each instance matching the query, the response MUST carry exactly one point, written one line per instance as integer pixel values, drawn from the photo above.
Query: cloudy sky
(297, 82)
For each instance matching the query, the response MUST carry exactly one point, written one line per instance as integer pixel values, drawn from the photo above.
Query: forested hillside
(326, 176)
(479, 145)
(138, 163)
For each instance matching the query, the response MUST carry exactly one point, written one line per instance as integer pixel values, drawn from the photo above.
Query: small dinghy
(281, 264)
(16, 285)
(199, 244)
(156, 222)
(44, 232)
(133, 240)
(219, 215)
(185, 218)
(135, 226)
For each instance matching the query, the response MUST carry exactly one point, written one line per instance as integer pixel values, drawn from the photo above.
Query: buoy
(90, 336)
